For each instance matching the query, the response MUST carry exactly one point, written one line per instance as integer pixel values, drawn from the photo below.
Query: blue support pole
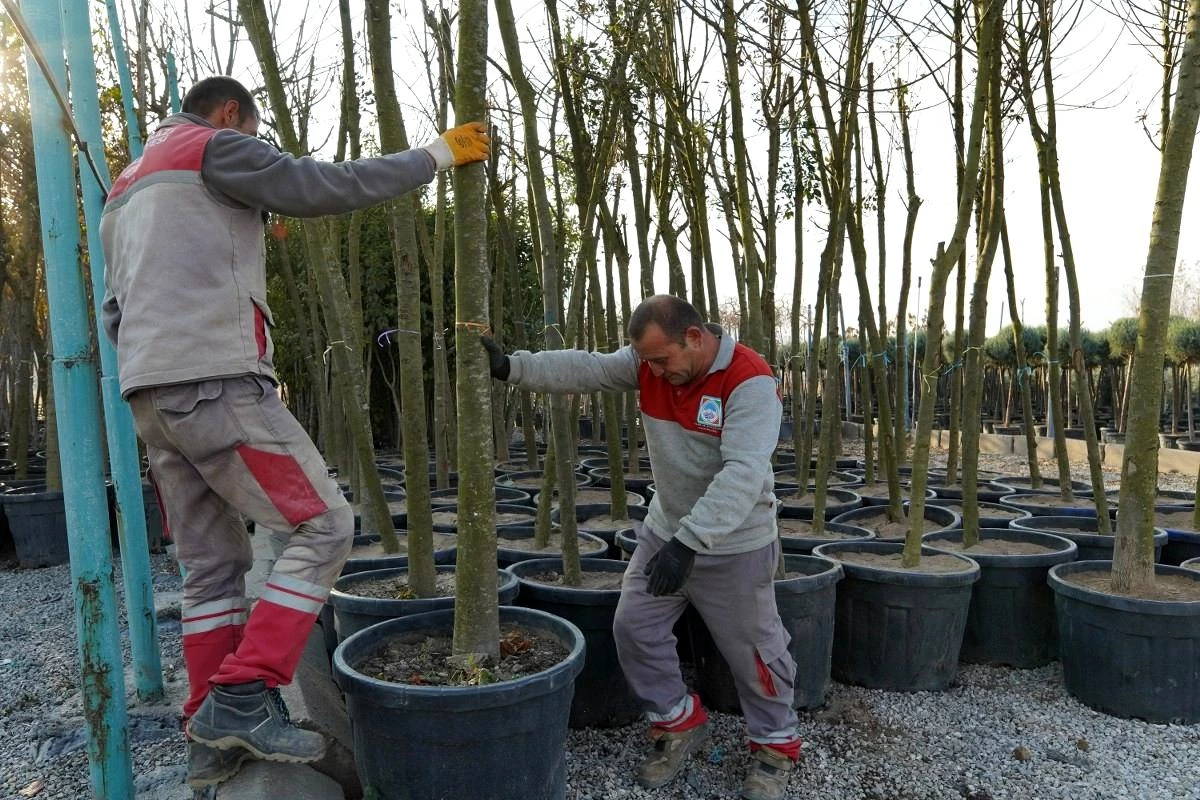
(133, 132)
(123, 456)
(77, 411)
(172, 83)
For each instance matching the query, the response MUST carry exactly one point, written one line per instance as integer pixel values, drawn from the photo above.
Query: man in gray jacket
(710, 411)
(186, 306)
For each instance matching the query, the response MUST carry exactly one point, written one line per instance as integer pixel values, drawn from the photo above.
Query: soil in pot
(791, 527)
(593, 495)
(371, 547)
(428, 661)
(1170, 588)
(1174, 520)
(397, 588)
(588, 580)
(883, 529)
(991, 515)
(932, 564)
(1052, 505)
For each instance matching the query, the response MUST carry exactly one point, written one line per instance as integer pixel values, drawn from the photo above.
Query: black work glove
(497, 361)
(669, 568)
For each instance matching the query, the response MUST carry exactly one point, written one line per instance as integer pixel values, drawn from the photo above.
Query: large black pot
(1011, 619)
(1181, 545)
(1023, 484)
(837, 501)
(501, 741)
(510, 495)
(602, 696)
(587, 511)
(991, 515)
(1084, 532)
(834, 532)
(1085, 505)
(325, 618)
(590, 546)
(986, 491)
(352, 612)
(1126, 656)
(806, 605)
(941, 516)
(37, 520)
(898, 629)
(526, 516)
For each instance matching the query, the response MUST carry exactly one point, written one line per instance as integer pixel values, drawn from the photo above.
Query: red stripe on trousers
(271, 646)
(260, 331)
(790, 749)
(765, 678)
(285, 483)
(203, 654)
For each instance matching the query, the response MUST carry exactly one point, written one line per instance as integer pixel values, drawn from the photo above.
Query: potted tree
(406, 731)
(1129, 629)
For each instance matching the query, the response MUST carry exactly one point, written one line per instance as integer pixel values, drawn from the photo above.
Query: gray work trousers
(735, 595)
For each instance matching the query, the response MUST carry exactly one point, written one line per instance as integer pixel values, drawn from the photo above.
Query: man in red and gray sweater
(710, 411)
(186, 306)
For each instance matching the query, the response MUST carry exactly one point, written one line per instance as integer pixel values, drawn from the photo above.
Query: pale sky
(1109, 168)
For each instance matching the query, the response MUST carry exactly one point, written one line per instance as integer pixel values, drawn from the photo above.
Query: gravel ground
(997, 733)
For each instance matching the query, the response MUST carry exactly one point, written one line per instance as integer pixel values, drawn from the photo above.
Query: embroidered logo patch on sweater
(710, 414)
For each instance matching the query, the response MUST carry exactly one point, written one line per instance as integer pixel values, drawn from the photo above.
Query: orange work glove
(458, 146)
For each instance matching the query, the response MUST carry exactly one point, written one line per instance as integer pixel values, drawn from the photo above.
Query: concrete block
(260, 780)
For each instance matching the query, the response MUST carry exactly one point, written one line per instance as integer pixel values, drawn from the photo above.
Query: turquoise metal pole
(172, 83)
(133, 132)
(77, 410)
(122, 441)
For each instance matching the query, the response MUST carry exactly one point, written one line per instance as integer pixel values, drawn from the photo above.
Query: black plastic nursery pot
(991, 515)
(514, 516)
(590, 546)
(325, 617)
(1085, 505)
(510, 495)
(806, 605)
(1023, 484)
(602, 696)
(1083, 531)
(944, 518)
(1126, 656)
(987, 491)
(500, 741)
(898, 629)
(837, 501)
(1011, 620)
(833, 532)
(1181, 546)
(352, 612)
(37, 520)
(588, 511)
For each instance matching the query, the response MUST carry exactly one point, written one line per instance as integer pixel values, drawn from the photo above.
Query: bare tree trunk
(1133, 559)
(476, 612)
(401, 225)
(344, 339)
(989, 32)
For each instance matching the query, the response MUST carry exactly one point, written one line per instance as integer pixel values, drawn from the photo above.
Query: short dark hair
(211, 93)
(673, 316)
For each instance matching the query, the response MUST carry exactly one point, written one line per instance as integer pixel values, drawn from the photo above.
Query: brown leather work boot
(768, 775)
(670, 752)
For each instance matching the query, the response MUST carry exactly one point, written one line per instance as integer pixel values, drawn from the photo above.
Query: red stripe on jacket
(179, 147)
(699, 407)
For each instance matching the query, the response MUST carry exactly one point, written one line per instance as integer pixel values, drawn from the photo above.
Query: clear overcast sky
(1109, 169)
